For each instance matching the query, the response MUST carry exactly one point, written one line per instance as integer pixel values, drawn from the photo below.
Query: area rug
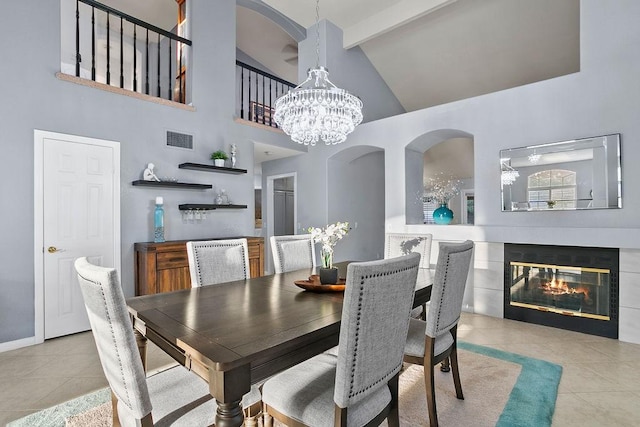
(501, 389)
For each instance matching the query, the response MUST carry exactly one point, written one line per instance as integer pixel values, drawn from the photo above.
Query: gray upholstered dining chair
(218, 261)
(293, 252)
(174, 396)
(359, 385)
(398, 244)
(434, 341)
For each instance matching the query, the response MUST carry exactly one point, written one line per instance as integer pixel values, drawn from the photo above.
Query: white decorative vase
(218, 162)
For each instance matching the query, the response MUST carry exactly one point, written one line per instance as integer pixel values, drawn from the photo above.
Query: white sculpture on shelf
(233, 155)
(149, 175)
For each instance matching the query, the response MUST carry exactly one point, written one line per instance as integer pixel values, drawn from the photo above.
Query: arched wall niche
(358, 173)
(452, 154)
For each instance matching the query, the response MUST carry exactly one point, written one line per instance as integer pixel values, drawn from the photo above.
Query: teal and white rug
(501, 389)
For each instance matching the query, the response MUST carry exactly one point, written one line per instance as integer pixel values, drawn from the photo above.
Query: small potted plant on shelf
(219, 157)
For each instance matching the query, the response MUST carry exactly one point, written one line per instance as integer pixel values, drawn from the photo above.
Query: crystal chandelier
(509, 174)
(534, 157)
(316, 108)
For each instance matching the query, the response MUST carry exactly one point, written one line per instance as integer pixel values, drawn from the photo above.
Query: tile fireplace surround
(485, 286)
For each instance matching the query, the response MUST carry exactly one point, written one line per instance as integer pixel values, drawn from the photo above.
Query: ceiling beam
(390, 18)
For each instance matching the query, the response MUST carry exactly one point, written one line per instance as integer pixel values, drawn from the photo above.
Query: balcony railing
(120, 50)
(257, 92)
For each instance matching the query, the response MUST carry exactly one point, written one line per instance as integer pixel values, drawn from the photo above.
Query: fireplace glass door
(567, 290)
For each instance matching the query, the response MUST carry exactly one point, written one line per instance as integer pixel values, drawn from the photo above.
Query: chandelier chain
(317, 33)
(316, 109)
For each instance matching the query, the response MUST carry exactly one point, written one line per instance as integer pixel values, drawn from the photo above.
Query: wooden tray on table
(314, 285)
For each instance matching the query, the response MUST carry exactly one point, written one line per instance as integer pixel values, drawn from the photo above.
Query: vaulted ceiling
(429, 52)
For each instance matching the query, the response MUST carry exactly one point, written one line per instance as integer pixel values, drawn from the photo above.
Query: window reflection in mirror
(567, 175)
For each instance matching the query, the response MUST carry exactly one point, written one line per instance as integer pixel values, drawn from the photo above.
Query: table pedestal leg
(228, 388)
(229, 414)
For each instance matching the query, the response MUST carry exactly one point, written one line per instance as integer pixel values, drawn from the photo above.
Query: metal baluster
(180, 73)
(256, 101)
(249, 99)
(146, 84)
(264, 106)
(121, 56)
(159, 96)
(270, 105)
(169, 97)
(108, 52)
(241, 92)
(77, 39)
(135, 60)
(93, 44)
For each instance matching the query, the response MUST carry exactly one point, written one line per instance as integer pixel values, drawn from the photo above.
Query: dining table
(239, 333)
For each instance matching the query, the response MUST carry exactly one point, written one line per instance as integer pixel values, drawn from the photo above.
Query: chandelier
(316, 108)
(509, 174)
(534, 157)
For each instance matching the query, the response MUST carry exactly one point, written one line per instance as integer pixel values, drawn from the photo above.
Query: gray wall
(601, 99)
(357, 195)
(33, 98)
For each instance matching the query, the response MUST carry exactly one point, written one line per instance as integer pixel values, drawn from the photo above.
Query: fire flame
(560, 287)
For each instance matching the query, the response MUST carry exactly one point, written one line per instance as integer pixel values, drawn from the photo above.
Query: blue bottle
(158, 221)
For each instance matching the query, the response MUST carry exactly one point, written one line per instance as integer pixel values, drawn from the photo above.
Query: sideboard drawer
(172, 260)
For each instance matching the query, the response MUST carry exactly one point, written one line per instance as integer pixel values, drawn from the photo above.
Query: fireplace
(574, 288)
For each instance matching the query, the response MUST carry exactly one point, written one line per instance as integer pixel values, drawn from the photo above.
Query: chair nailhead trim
(384, 377)
(113, 338)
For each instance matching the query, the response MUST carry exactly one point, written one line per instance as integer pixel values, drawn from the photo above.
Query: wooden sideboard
(164, 267)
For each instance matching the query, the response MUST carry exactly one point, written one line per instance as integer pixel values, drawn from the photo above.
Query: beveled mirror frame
(567, 175)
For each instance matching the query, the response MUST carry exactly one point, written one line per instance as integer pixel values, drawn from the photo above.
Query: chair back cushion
(218, 261)
(399, 244)
(293, 252)
(375, 318)
(113, 333)
(449, 283)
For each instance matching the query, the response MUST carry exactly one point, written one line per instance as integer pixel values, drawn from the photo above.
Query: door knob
(52, 249)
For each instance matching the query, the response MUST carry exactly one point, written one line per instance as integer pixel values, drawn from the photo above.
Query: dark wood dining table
(239, 333)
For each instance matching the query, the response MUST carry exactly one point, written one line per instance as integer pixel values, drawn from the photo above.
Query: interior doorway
(77, 213)
(283, 206)
(282, 213)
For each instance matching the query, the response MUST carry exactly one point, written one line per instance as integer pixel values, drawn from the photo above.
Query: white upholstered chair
(435, 341)
(218, 261)
(172, 397)
(398, 244)
(293, 252)
(359, 385)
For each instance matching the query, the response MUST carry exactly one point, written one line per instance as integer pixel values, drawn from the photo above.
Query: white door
(79, 187)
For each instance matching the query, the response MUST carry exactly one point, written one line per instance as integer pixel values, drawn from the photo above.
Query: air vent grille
(180, 140)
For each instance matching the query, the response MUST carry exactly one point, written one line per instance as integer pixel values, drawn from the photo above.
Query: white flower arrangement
(442, 188)
(328, 237)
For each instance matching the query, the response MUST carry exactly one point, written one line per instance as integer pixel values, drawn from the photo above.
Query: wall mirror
(567, 175)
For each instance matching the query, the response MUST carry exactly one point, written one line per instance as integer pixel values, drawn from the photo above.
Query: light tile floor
(600, 381)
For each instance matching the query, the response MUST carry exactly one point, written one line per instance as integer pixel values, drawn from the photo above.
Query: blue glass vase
(443, 215)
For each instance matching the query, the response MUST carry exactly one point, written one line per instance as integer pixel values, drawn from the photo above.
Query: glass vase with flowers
(328, 237)
(441, 188)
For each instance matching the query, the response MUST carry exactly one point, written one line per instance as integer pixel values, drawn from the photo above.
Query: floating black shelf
(208, 207)
(210, 168)
(170, 184)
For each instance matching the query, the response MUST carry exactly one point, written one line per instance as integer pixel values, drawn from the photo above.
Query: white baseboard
(14, 345)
